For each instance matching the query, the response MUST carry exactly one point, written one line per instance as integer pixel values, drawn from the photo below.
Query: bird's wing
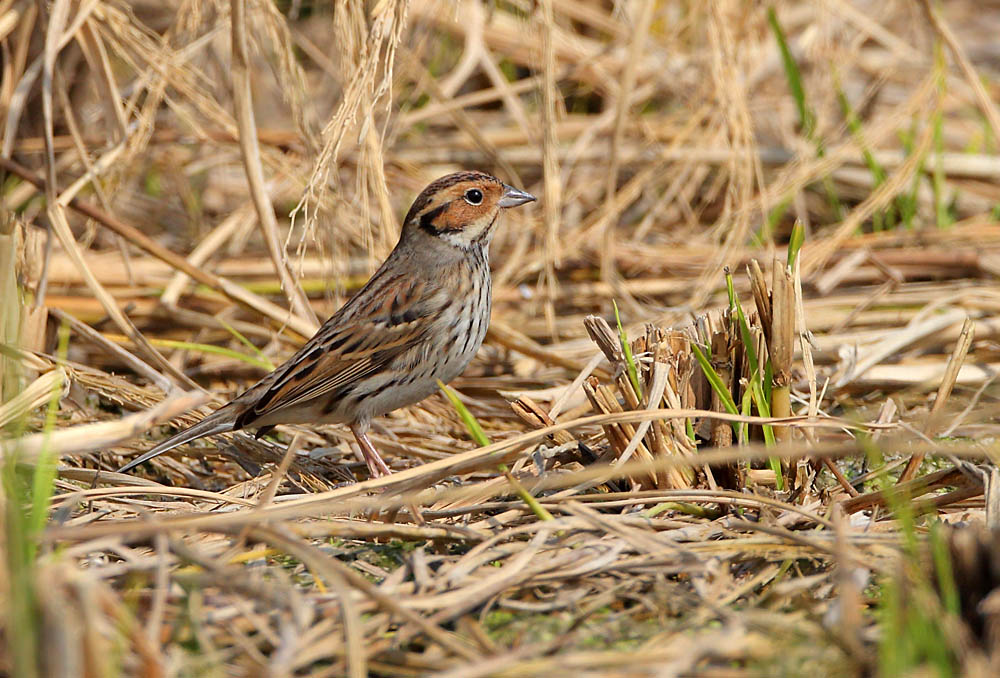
(389, 316)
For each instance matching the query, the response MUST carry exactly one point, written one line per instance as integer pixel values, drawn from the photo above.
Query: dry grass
(660, 506)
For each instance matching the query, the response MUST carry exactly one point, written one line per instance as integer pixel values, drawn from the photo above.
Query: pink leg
(376, 467)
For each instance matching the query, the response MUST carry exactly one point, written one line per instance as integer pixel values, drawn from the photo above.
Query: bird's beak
(513, 197)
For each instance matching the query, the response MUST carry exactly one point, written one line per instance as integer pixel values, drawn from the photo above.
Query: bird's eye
(473, 196)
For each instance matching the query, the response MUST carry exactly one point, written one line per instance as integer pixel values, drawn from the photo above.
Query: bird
(419, 319)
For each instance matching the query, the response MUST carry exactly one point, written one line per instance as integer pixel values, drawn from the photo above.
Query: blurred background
(665, 140)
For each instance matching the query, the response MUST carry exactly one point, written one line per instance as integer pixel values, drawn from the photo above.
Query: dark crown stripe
(456, 178)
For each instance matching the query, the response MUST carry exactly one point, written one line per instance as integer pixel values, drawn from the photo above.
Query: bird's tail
(217, 422)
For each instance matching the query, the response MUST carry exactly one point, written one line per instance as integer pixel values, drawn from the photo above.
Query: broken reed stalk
(781, 351)
(782, 348)
(657, 379)
(11, 317)
(532, 413)
(604, 400)
(944, 391)
(757, 372)
(722, 343)
(910, 490)
(673, 355)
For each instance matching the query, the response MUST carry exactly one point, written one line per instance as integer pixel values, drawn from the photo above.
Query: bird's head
(461, 209)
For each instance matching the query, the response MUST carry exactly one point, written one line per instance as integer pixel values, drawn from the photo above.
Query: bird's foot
(376, 465)
(377, 468)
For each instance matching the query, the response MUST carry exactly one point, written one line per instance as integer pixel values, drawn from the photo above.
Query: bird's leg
(376, 466)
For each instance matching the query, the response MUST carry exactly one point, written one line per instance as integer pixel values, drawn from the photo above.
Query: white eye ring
(474, 196)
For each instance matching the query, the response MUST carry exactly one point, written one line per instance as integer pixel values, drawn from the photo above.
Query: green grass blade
(43, 480)
(881, 220)
(469, 419)
(715, 381)
(269, 366)
(478, 435)
(734, 306)
(913, 641)
(807, 117)
(725, 397)
(758, 391)
(795, 242)
(768, 381)
(540, 511)
(907, 202)
(764, 409)
(942, 209)
(743, 434)
(770, 225)
(855, 127)
(263, 363)
(945, 572)
(633, 371)
(807, 120)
